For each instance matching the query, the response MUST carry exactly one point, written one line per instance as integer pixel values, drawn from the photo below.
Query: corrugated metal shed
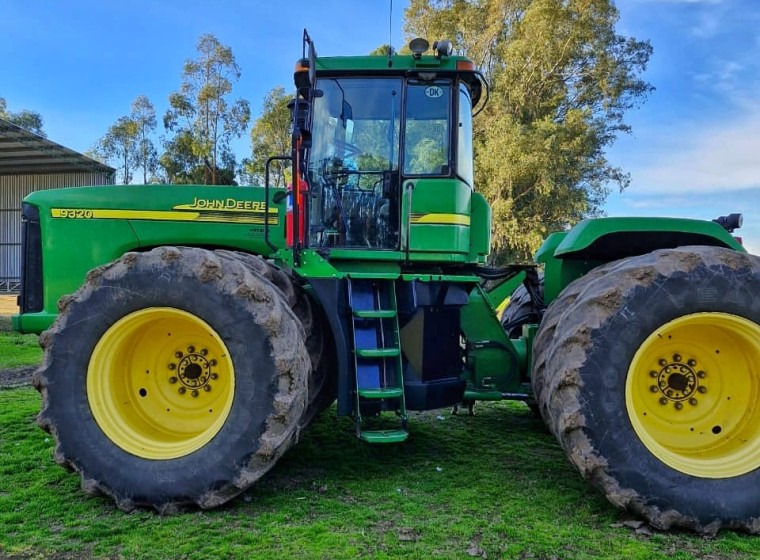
(31, 163)
(23, 152)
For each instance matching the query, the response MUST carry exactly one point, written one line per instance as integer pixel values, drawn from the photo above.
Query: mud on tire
(323, 378)
(267, 391)
(632, 365)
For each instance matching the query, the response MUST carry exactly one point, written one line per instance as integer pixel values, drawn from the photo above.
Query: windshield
(353, 163)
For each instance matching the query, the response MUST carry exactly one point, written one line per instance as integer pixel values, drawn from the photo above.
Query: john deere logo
(229, 204)
(434, 92)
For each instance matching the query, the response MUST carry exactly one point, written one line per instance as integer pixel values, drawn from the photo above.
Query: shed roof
(23, 152)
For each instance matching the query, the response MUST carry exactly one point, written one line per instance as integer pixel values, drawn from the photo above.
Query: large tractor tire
(522, 310)
(647, 371)
(174, 377)
(323, 388)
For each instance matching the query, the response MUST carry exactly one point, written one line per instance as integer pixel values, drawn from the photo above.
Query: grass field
(16, 350)
(494, 485)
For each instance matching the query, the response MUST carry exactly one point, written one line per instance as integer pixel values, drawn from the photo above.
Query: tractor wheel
(323, 378)
(647, 371)
(172, 378)
(521, 310)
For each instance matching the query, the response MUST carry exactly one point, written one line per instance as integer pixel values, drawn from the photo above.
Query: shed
(29, 163)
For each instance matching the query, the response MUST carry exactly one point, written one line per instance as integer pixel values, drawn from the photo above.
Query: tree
(28, 120)
(561, 80)
(144, 115)
(178, 160)
(383, 50)
(201, 113)
(120, 145)
(270, 136)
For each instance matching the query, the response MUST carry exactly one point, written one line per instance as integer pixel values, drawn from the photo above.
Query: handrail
(266, 198)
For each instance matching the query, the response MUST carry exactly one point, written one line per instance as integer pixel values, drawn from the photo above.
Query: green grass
(494, 485)
(17, 350)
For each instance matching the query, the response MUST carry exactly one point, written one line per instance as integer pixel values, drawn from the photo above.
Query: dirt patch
(16, 377)
(8, 305)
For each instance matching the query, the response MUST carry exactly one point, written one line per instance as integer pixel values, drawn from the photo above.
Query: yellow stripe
(441, 219)
(157, 215)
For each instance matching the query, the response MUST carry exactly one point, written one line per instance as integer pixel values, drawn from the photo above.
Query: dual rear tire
(178, 377)
(647, 371)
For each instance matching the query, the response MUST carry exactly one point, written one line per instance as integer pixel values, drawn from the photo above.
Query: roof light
(418, 46)
(443, 48)
(466, 65)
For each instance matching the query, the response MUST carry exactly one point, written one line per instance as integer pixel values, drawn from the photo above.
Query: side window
(464, 136)
(426, 133)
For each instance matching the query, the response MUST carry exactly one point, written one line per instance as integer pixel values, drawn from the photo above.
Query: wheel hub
(678, 381)
(194, 370)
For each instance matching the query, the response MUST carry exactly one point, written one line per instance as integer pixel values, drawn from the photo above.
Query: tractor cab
(383, 147)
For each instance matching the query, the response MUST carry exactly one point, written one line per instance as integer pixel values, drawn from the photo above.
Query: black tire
(521, 310)
(323, 388)
(265, 348)
(592, 343)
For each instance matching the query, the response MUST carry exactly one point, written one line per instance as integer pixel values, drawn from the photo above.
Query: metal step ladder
(377, 358)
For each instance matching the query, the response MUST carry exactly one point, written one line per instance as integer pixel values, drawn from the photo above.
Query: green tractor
(207, 326)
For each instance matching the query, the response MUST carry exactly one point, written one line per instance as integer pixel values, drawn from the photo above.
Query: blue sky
(694, 150)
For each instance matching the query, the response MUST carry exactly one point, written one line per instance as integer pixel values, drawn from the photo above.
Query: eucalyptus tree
(202, 111)
(561, 78)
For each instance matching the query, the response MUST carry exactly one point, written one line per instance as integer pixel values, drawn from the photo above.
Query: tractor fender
(591, 243)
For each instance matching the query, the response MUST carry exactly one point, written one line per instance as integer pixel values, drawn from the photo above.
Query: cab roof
(399, 63)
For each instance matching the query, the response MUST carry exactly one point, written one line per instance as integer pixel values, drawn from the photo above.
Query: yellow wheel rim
(692, 394)
(160, 383)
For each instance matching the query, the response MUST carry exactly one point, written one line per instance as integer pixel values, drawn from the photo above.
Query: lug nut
(678, 406)
(653, 373)
(182, 390)
(701, 374)
(207, 388)
(178, 354)
(692, 362)
(204, 352)
(172, 366)
(702, 389)
(172, 380)
(663, 362)
(663, 400)
(653, 388)
(676, 357)
(693, 401)
(212, 362)
(214, 376)
(190, 349)
(195, 392)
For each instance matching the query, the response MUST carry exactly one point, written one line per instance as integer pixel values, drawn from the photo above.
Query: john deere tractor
(191, 333)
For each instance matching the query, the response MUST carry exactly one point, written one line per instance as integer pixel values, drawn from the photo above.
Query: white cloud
(714, 158)
(752, 247)
(708, 26)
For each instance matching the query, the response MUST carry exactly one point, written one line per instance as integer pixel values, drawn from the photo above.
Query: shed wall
(13, 189)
